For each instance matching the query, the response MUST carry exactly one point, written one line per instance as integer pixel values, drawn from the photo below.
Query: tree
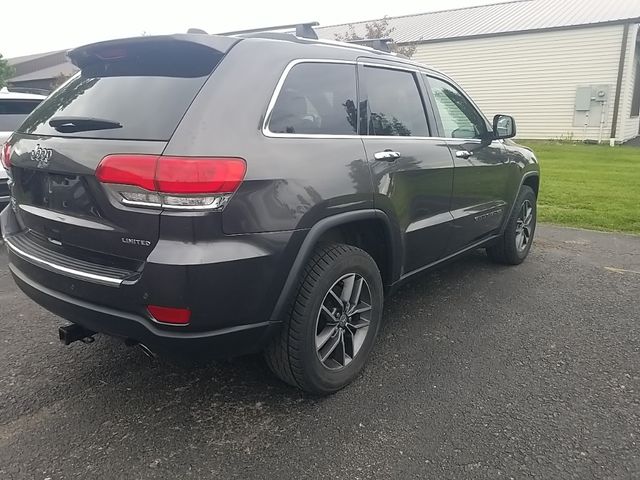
(59, 80)
(6, 71)
(377, 29)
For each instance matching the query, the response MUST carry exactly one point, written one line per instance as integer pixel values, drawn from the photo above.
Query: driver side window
(459, 117)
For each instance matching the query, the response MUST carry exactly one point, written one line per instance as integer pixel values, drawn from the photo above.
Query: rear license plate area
(59, 192)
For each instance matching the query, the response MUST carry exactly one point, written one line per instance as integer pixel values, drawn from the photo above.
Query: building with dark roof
(40, 72)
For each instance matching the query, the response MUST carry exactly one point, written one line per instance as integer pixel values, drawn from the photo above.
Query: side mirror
(504, 126)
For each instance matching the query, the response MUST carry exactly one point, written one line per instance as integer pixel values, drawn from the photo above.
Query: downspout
(616, 103)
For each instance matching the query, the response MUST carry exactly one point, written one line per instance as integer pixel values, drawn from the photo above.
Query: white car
(14, 108)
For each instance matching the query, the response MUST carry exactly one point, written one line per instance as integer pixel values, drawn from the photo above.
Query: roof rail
(303, 30)
(381, 44)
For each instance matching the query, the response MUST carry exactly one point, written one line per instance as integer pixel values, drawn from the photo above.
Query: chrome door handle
(463, 154)
(387, 156)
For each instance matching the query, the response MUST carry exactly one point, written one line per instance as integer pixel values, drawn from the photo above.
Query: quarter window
(458, 116)
(394, 103)
(317, 99)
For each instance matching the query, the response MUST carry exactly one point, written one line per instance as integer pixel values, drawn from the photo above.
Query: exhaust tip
(147, 351)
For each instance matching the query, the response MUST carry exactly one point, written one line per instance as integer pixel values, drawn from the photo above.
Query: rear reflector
(180, 182)
(5, 156)
(170, 315)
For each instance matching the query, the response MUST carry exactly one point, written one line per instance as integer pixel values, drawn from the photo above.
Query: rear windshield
(144, 89)
(13, 113)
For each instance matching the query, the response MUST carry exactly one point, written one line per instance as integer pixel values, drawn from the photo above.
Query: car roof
(5, 94)
(353, 50)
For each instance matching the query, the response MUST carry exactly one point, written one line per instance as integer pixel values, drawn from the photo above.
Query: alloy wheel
(524, 226)
(343, 321)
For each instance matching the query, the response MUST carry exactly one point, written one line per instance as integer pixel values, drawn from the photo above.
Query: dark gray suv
(254, 193)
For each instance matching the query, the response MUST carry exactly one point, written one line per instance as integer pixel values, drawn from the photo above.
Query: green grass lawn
(589, 186)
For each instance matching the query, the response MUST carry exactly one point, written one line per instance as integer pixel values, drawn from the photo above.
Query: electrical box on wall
(591, 107)
(583, 99)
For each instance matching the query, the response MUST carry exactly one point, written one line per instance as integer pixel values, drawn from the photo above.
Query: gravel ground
(480, 371)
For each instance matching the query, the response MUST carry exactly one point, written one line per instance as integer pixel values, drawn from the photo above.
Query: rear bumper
(226, 342)
(230, 285)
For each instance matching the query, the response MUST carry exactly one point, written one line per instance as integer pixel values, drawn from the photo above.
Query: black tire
(292, 355)
(509, 250)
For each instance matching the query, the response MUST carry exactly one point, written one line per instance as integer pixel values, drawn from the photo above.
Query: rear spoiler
(88, 54)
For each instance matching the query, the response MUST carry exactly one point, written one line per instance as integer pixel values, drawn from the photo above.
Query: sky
(40, 26)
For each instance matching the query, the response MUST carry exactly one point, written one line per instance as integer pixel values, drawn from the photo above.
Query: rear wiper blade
(82, 124)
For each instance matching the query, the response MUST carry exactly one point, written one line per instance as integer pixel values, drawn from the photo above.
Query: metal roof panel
(500, 18)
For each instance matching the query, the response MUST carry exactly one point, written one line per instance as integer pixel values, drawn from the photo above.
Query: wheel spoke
(336, 297)
(348, 343)
(330, 347)
(529, 217)
(357, 291)
(323, 337)
(340, 353)
(358, 340)
(360, 323)
(361, 308)
(347, 288)
(329, 313)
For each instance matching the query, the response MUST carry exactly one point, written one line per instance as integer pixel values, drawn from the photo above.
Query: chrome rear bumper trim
(70, 272)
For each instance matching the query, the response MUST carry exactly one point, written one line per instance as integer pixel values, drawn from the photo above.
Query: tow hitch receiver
(71, 333)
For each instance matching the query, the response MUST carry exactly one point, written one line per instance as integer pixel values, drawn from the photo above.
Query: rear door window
(139, 91)
(317, 99)
(394, 103)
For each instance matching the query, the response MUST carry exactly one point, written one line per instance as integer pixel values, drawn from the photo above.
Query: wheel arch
(530, 179)
(345, 227)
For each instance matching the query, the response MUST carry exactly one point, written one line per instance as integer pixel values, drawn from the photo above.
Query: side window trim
(432, 106)
(276, 93)
(442, 133)
(363, 97)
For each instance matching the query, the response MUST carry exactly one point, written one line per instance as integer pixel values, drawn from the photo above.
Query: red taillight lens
(199, 175)
(181, 183)
(170, 315)
(138, 170)
(5, 156)
(182, 175)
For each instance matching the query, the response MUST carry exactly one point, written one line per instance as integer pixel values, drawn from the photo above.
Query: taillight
(5, 156)
(170, 315)
(172, 182)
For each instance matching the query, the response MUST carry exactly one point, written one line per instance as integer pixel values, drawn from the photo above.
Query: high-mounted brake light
(5, 156)
(111, 54)
(170, 315)
(188, 183)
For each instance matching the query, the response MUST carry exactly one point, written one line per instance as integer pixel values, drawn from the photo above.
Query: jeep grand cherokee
(255, 193)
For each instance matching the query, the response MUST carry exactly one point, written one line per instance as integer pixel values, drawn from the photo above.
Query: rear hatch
(128, 98)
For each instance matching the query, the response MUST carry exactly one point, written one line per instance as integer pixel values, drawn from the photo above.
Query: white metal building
(563, 68)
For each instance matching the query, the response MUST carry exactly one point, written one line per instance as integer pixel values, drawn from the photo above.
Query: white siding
(629, 126)
(533, 76)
